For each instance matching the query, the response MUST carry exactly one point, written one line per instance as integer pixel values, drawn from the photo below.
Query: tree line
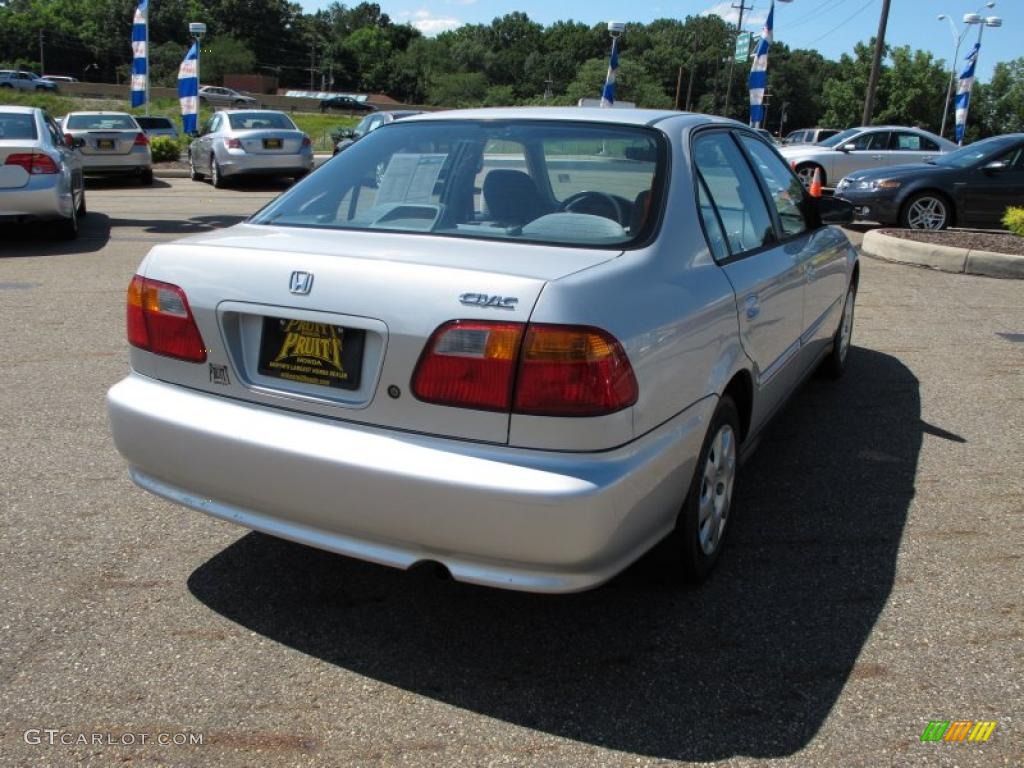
(513, 60)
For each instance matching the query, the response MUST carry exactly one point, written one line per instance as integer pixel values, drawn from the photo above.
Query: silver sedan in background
(40, 175)
(861, 149)
(532, 346)
(257, 142)
(112, 144)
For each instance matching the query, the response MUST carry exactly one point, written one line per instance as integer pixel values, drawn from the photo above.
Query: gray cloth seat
(511, 197)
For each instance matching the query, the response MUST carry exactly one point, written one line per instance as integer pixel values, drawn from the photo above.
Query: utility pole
(876, 64)
(732, 53)
(693, 67)
(42, 57)
(312, 64)
(679, 87)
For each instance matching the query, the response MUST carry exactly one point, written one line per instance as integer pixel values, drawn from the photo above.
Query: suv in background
(24, 81)
(157, 126)
(810, 135)
(348, 136)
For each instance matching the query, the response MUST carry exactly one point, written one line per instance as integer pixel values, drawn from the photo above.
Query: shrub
(1013, 220)
(164, 149)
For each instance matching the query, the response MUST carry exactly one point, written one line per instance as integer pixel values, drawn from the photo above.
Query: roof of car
(249, 111)
(17, 109)
(586, 114)
(98, 112)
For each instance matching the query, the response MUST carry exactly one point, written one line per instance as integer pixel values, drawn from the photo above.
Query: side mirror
(848, 147)
(833, 210)
(995, 166)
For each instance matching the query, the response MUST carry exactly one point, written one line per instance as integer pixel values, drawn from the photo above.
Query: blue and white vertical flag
(758, 79)
(140, 53)
(188, 89)
(963, 92)
(608, 92)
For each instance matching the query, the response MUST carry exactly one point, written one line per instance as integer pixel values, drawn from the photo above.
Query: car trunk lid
(106, 142)
(15, 176)
(370, 306)
(269, 141)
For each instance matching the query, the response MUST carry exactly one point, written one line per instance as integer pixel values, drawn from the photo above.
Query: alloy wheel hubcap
(806, 175)
(716, 489)
(927, 213)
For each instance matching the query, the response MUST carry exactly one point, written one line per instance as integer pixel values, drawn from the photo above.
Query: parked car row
(22, 80)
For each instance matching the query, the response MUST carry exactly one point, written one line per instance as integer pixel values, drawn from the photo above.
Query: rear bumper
(112, 165)
(244, 163)
(530, 520)
(43, 198)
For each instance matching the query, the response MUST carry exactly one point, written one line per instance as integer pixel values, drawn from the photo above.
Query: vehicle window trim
(702, 184)
(813, 222)
(733, 257)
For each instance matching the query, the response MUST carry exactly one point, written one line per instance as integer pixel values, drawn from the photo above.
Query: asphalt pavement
(873, 581)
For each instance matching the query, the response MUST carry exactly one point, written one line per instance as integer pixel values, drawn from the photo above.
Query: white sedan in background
(861, 149)
(40, 176)
(112, 144)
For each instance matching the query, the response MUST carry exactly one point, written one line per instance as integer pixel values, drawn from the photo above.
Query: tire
(67, 229)
(146, 177)
(6, 85)
(215, 177)
(926, 210)
(81, 205)
(192, 172)
(805, 172)
(834, 366)
(697, 540)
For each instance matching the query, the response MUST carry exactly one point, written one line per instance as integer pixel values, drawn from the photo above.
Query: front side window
(734, 192)
(786, 191)
(556, 182)
(257, 120)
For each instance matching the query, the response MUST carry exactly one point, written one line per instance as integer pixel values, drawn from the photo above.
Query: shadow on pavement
(122, 182)
(38, 239)
(750, 663)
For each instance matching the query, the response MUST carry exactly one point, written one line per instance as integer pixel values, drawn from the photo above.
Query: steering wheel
(574, 202)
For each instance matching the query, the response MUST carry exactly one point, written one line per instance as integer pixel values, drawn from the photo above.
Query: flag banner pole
(963, 93)
(758, 80)
(608, 92)
(188, 89)
(140, 56)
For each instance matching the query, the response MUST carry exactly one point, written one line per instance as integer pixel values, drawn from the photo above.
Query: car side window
(873, 140)
(55, 133)
(1014, 159)
(712, 226)
(734, 192)
(904, 141)
(786, 191)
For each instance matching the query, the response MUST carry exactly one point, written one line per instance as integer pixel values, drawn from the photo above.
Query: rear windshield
(241, 121)
(100, 123)
(562, 183)
(154, 122)
(17, 126)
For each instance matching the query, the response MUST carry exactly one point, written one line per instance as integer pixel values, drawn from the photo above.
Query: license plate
(311, 353)
(271, 143)
(105, 144)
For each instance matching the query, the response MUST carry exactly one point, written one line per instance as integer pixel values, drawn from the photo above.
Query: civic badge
(301, 283)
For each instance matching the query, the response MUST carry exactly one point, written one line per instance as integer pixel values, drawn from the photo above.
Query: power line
(827, 5)
(844, 22)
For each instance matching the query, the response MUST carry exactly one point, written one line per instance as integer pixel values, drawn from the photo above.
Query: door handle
(878, 157)
(811, 272)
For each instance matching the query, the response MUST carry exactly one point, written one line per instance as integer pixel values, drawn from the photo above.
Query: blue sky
(830, 26)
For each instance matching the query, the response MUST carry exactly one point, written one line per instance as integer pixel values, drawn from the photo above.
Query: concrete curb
(942, 257)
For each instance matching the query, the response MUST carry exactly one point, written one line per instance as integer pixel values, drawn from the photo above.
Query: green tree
(225, 55)
(633, 83)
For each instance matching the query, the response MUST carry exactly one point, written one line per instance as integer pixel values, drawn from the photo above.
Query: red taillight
(233, 143)
(550, 370)
(160, 321)
(469, 364)
(306, 141)
(141, 140)
(572, 371)
(33, 162)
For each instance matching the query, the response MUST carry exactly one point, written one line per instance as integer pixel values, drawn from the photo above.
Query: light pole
(982, 22)
(958, 39)
(197, 29)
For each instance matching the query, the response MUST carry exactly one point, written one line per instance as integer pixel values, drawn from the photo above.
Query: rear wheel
(67, 229)
(703, 520)
(926, 211)
(835, 364)
(215, 176)
(146, 177)
(81, 204)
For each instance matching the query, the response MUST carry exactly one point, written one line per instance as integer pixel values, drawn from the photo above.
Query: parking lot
(872, 582)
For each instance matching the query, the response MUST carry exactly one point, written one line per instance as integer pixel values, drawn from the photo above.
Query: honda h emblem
(301, 282)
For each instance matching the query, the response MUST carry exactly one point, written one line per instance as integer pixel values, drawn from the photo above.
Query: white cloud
(429, 24)
(756, 17)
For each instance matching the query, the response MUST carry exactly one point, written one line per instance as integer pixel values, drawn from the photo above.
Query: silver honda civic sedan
(249, 142)
(111, 143)
(40, 175)
(525, 344)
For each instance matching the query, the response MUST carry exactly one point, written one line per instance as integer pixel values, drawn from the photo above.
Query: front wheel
(192, 172)
(834, 365)
(925, 211)
(703, 520)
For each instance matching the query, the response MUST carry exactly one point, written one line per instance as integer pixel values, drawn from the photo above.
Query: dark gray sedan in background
(971, 187)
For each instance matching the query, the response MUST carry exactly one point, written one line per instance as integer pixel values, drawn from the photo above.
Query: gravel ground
(998, 242)
(872, 582)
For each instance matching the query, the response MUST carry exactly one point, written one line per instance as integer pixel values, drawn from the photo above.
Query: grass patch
(316, 125)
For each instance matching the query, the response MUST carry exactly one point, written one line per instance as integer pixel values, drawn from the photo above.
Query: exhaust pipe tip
(431, 569)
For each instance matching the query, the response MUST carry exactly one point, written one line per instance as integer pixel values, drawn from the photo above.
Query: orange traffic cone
(815, 190)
